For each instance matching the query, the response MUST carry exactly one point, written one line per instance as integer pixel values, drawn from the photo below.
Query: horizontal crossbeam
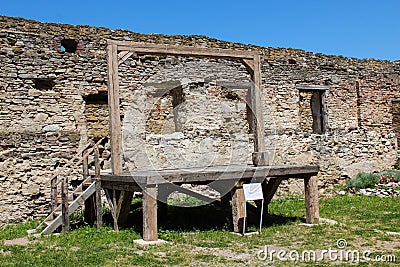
(185, 51)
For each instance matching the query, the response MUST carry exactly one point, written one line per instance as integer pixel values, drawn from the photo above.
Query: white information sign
(252, 191)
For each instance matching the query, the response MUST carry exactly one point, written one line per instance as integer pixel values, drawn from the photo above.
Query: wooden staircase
(71, 200)
(54, 219)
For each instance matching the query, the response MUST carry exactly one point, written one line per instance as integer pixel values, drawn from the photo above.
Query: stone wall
(187, 114)
(53, 91)
(396, 118)
(305, 112)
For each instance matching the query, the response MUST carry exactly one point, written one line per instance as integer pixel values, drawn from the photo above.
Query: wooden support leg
(238, 209)
(125, 202)
(311, 196)
(99, 206)
(89, 212)
(114, 207)
(65, 205)
(97, 196)
(116, 210)
(119, 202)
(111, 199)
(150, 231)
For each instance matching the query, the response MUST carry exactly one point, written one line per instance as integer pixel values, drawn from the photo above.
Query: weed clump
(363, 180)
(389, 176)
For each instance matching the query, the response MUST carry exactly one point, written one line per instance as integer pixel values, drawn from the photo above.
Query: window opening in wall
(312, 108)
(44, 84)
(178, 97)
(163, 117)
(97, 115)
(69, 45)
(100, 98)
(317, 110)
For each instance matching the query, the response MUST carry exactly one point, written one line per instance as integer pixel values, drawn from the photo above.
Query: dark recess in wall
(100, 98)
(44, 84)
(69, 45)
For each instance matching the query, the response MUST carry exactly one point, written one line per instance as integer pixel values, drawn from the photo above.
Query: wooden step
(31, 232)
(87, 183)
(47, 223)
(76, 194)
(78, 190)
(57, 212)
(52, 225)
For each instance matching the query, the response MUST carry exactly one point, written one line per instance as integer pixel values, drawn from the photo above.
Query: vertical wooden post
(259, 157)
(150, 231)
(311, 196)
(65, 206)
(123, 205)
(114, 109)
(85, 165)
(99, 208)
(238, 209)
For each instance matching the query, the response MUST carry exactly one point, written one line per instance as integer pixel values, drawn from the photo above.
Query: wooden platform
(119, 188)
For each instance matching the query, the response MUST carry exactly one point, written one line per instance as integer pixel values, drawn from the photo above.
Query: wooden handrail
(55, 181)
(64, 204)
(89, 151)
(68, 163)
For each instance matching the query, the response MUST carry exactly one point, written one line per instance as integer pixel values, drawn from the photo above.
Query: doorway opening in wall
(96, 114)
(312, 108)
(162, 118)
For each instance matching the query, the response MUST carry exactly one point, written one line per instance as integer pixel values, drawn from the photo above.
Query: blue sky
(352, 28)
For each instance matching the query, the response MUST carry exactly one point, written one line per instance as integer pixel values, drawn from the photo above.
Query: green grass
(16, 230)
(182, 200)
(201, 237)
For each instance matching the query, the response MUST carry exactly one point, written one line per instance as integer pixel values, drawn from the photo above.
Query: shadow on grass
(205, 217)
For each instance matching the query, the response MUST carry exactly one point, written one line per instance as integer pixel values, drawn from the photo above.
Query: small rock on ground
(23, 241)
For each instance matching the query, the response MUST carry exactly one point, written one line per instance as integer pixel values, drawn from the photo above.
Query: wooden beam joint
(124, 55)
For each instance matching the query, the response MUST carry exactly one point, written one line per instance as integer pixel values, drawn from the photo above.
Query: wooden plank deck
(149, 183)
(211, 173)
